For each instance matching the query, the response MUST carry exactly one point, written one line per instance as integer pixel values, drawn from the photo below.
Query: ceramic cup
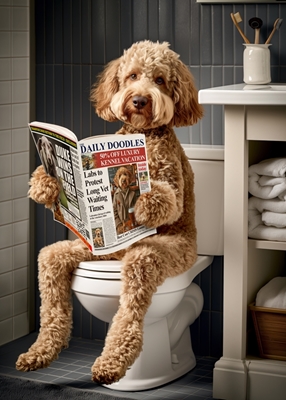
(256, 64)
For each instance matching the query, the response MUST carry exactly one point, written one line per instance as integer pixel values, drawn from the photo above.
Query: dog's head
(48, 155)
(122, 178)
(98, 232)
(147, 87)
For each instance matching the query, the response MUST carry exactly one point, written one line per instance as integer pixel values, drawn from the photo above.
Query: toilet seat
(101, 269)
(110, 270)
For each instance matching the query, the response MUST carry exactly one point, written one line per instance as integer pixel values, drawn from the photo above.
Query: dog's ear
(115, 179)
(39, 144)
(104, 89)
(185, 96)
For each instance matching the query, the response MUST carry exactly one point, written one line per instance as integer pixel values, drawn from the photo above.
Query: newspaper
(100, 179)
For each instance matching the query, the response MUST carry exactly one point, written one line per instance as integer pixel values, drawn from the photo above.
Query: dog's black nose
(139, 101)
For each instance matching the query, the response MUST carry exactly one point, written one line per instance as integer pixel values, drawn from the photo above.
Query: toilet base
(155, 366)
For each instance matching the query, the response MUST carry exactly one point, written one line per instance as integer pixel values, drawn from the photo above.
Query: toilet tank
(207, 162)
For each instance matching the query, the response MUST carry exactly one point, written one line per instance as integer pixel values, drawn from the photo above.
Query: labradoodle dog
(150, 90)
(123, 198)
(98, 241)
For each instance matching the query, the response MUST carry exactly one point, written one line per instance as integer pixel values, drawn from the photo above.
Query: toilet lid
(102, 269)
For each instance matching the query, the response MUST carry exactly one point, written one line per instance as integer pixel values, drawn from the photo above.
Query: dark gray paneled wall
(76, 38)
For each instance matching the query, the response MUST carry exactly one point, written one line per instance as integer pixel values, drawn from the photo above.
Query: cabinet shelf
(267, 244)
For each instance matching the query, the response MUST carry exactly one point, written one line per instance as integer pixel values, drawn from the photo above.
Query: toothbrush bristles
(237, 17)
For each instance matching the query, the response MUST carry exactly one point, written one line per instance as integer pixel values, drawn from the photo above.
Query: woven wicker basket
(270, 329)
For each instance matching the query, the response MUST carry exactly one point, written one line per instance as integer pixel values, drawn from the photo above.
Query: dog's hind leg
(56, 264)
(142, 271)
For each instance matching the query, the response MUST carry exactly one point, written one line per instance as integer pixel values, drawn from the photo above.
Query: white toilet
(167, 349)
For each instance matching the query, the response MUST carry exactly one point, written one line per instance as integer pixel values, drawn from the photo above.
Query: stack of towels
(267, 206)
(273, 294)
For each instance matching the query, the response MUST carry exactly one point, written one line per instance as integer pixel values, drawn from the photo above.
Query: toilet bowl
(167, 350)
(97, 286)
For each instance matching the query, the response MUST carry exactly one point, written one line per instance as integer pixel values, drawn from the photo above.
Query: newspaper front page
(101, 178)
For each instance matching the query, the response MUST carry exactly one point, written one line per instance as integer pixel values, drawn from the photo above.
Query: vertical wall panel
(98, 31)
(49, 93)
(40, 92)
(58, 31)
(282, 76)
(195, 39)
(217, 284)
(140, 20)
(76, 31)
(85, 36)
(275, 49)
(86, 108)
(40, 21)
(216, 34)
(77, 311)
(76, 98)
(166, 24)
(281, 36)
(262, 12)
(50, 228)
(181, 30)
(67, 102)
(58, 99)
(205, 124)
(49, 32)
(228, 77)
(126, 24)
(215, 339)
(153, 19)
(248, 12)
(67, 33)
(97, 124)
(229, 35)
(112, 29)
(206, 36)
(99, 329)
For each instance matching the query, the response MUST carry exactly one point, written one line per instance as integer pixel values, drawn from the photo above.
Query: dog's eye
(133, 77)
(159, 80)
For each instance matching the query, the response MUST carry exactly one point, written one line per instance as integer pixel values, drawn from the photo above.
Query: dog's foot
(32, 361)
(107, 371)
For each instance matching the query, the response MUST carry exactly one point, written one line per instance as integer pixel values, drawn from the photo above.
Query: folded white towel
(267, 179)
(273, 294)
(277, 220)
(271, 167)
(267, 219)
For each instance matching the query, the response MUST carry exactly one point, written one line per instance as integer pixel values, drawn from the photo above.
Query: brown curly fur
(154, 71)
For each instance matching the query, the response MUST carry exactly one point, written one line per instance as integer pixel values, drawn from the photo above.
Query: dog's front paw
(157, 207)
(106, 371)
(44, 189)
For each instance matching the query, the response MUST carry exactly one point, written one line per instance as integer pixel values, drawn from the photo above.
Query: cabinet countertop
(242, 94)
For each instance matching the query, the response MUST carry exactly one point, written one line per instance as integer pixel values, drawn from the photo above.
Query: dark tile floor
(74, 364)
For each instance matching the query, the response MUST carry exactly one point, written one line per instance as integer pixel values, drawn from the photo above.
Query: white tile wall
(14, 168)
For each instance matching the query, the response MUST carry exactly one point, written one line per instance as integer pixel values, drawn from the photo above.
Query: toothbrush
(236, 18)
(276, 27)
(256, 24)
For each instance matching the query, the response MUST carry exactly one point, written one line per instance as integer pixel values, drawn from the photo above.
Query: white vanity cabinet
(255, 129)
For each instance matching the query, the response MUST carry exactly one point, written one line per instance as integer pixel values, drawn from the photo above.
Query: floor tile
(73, 368)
